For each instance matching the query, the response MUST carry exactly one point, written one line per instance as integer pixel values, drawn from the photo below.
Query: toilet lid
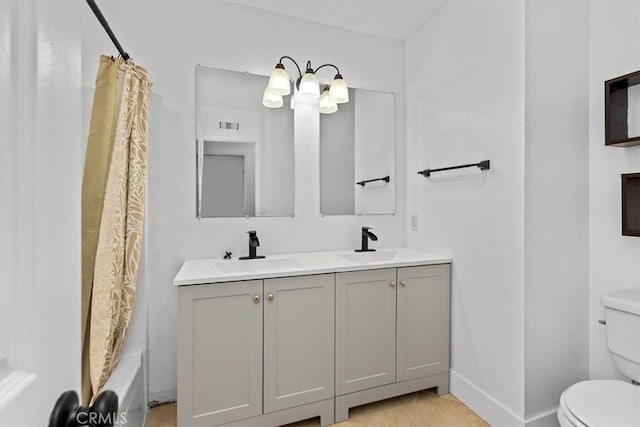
(604, 403)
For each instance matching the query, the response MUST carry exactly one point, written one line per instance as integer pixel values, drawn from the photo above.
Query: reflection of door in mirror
(227, 182)
(357, 143)
(223, 178)
(232, 124)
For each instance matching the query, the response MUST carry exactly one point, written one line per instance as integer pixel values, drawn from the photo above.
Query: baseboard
(483, 404)
(163, 396)
(546, 419)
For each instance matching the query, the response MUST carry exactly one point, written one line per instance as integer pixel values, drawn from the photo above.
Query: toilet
(610, 403)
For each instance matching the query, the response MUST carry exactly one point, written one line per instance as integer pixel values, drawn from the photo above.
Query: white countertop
(216, 270)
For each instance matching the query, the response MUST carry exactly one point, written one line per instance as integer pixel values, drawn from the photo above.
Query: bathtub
(127, 381)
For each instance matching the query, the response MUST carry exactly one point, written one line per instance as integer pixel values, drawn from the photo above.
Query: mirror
(357, 156)
(245, 152)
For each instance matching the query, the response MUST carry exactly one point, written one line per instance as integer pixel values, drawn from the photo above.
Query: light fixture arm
(327, 65)
(294, 62)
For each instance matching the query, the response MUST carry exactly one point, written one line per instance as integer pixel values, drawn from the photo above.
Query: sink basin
(256, 265)
(369, 257)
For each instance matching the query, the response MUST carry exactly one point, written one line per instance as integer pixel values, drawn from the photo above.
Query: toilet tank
(622, 314)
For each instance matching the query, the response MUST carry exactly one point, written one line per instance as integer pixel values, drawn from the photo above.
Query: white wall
(614, 260)
(556, 203)
(465, 103)
(525, 306)
(169, 38)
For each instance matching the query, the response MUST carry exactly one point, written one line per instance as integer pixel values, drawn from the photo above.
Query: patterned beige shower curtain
(113, 194)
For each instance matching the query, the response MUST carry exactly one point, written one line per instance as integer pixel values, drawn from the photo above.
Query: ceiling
(395, 19)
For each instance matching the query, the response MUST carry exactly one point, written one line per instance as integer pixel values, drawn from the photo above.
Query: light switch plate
(414, 221)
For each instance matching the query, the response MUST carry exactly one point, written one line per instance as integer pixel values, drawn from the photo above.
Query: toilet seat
(599, 403)
(565, 417)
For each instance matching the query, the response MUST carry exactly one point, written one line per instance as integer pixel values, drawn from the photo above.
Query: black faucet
(366, 235)
(253, 244)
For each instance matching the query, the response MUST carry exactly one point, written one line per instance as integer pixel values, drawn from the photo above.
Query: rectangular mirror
(357, 156)
(245, 152)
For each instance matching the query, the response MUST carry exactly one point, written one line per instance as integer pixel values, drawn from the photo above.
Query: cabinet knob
(403, 282)
(392, 283)
(270, 297)
(256, 298)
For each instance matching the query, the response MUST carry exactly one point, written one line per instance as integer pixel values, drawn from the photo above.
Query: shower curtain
(113, 194)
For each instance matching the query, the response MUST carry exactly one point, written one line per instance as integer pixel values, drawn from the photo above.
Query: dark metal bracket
(384, 178)
(483, 165)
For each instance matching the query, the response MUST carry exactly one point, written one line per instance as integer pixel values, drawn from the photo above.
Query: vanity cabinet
(423, 321)
(268, 351)
(392, 333)
(298, 341)
(365, 329)
(221, 352)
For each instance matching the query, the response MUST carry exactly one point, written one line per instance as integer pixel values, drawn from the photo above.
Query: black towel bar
(483, 165)
(384, 178)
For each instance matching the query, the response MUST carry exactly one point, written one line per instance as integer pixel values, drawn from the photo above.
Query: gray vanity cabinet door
(423, 321)
(298, 341)
(365, 329)
(219, 353)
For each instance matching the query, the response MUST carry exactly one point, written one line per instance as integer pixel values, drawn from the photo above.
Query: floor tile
(422, 409)
(162, 416)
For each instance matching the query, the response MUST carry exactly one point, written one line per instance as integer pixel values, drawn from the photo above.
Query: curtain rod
(96, 11)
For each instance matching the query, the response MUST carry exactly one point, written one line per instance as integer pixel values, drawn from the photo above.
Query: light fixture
(339, 90)
(306, 86)
(279, 81)
(270, 99)
(328, 105)
(309, 83)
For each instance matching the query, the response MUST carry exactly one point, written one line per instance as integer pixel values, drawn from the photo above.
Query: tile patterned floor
(422, 409)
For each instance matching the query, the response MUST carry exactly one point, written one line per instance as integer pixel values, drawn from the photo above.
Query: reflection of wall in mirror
(374, 151)
(337, 133)
(209, 118)
(277, 163)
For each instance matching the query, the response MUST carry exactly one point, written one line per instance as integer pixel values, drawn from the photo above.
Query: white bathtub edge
(127, 382)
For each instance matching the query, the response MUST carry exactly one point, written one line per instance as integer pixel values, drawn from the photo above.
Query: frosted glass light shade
(339, 90)
(279, 81)
(309, 85)
(327, 104)
(271, 100)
